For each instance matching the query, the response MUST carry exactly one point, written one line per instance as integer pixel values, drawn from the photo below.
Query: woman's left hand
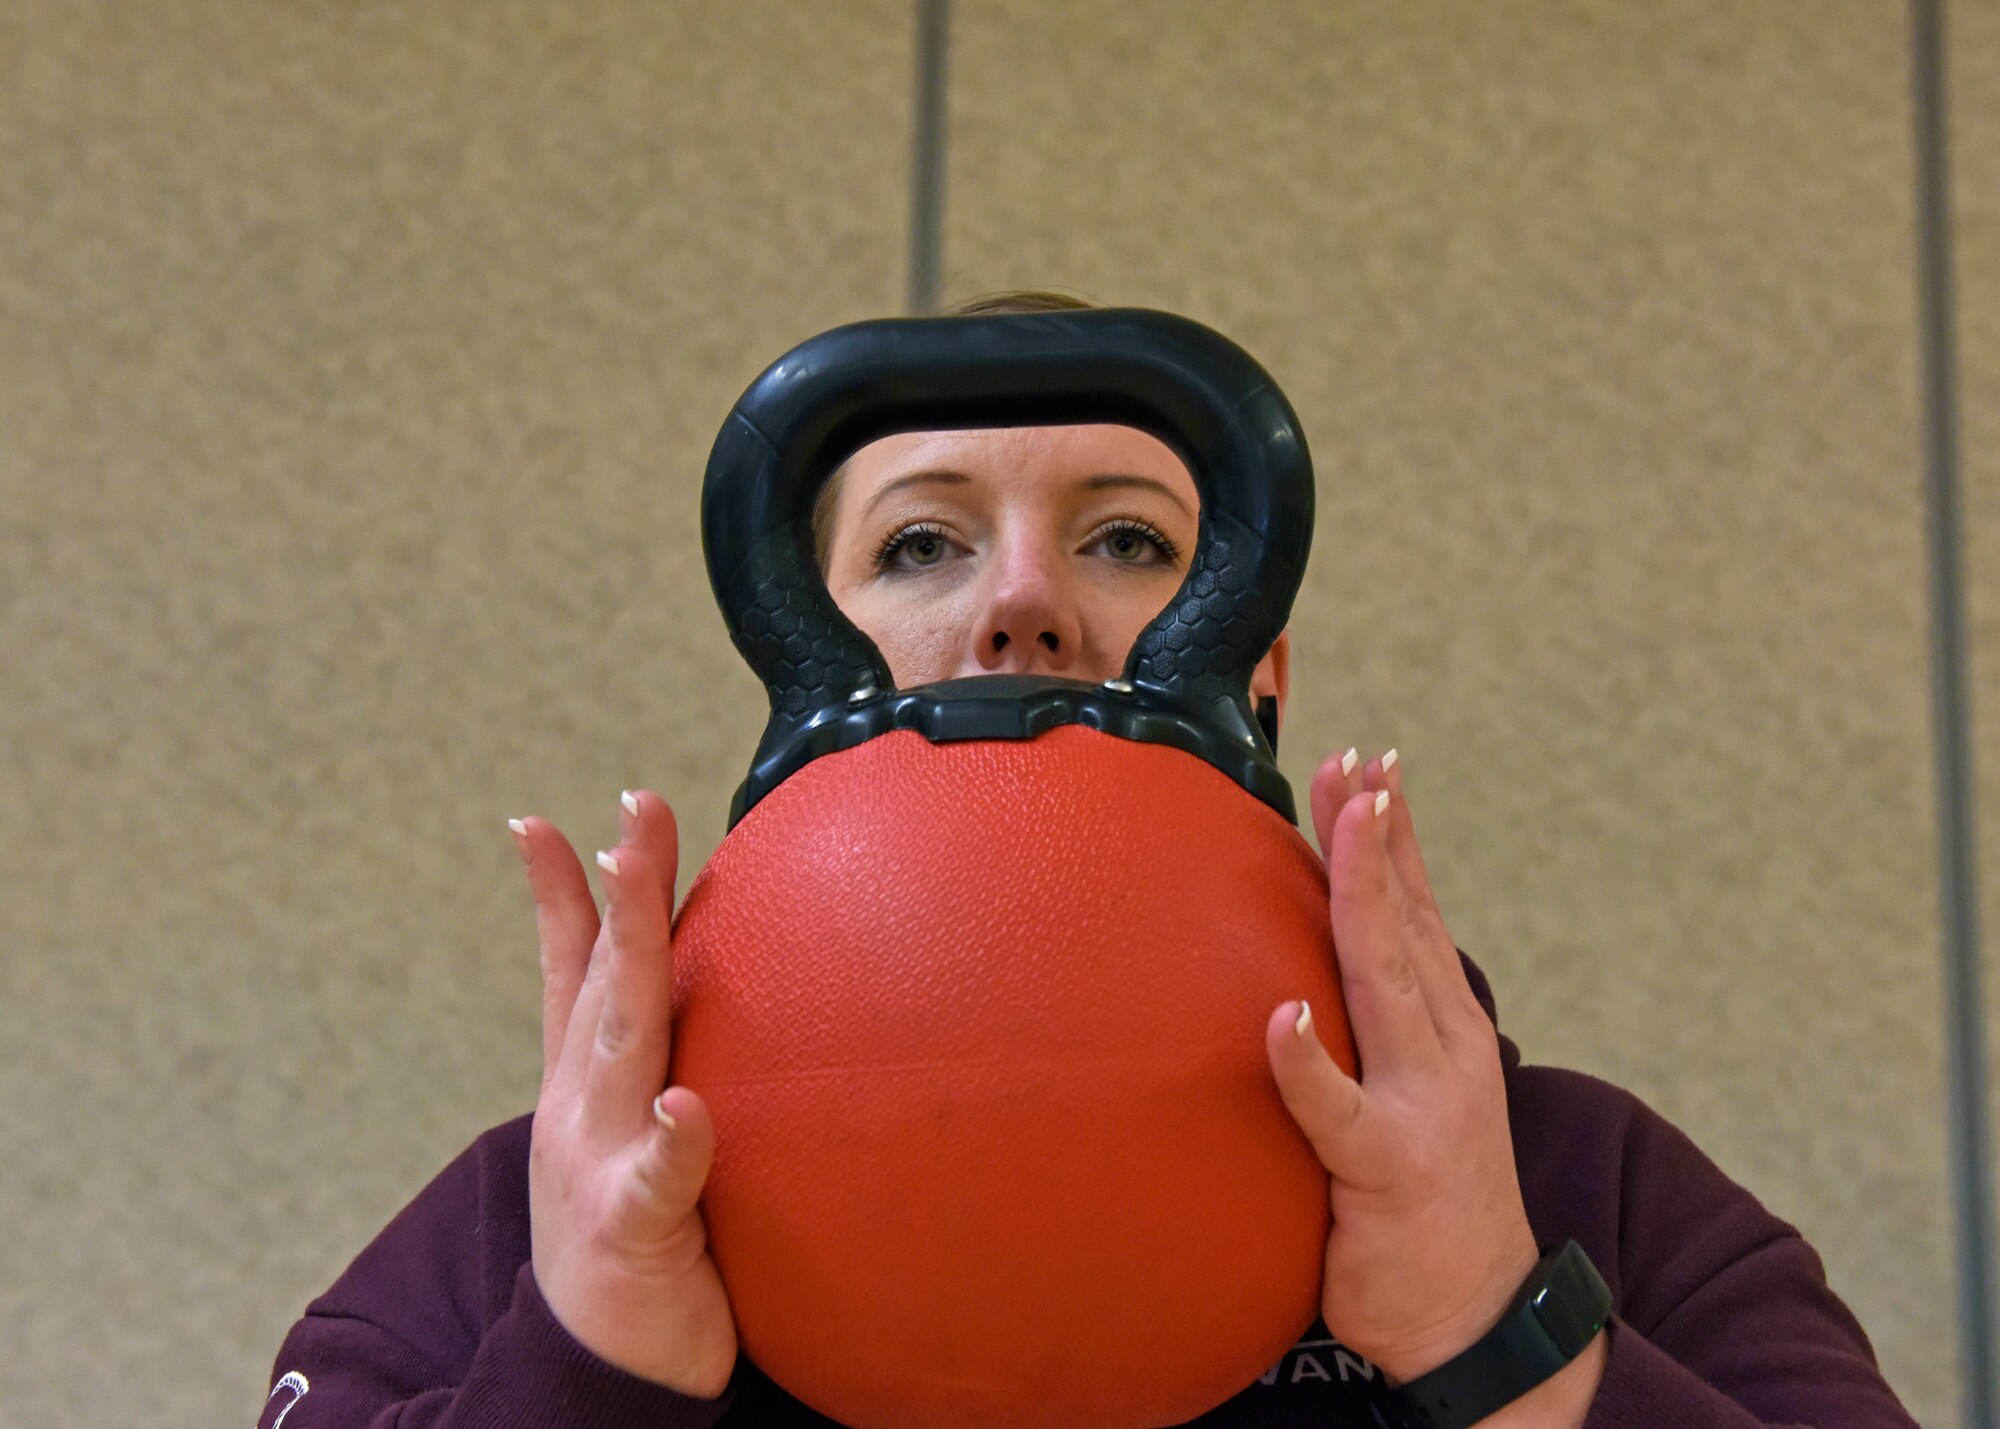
(1430, 1240)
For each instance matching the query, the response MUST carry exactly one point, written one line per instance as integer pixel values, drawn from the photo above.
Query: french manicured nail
(1348, 761)
(1388, 761)
(631, 802)
(520, 832)
(1305, 1022)
(608, 862)
(661, 1115)
(1381, 802)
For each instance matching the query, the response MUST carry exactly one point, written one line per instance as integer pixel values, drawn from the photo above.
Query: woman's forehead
(1061, 452)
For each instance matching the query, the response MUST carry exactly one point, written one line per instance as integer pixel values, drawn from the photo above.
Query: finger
(633, 821)
(647, 820)
(625, 1061)
(1333, 784)
(565, 925)
(1330, 1107)
(1404, 855)
(1386, 1004)
(1452, 1003)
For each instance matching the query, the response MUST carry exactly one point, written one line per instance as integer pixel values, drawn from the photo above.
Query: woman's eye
(1136, 543)
(913, 546)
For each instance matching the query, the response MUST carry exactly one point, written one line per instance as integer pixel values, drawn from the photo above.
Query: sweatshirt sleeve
(1722, 1317)
(1763, 1342)
(439, 1324)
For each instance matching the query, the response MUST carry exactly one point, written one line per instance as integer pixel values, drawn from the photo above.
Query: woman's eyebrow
(945, 475)
(1099, 483)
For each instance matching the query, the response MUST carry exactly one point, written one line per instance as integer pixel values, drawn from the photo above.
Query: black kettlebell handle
(1187, 679)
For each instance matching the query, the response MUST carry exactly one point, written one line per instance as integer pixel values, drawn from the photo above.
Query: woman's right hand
(616, 1165)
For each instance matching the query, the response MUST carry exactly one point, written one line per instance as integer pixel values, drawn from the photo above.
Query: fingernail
(1348, 761)
(520, 832)
(1381, 802)
(631, 802)
(1305, 1022)
(661, 1115)
(609, 863)
(1388, 761)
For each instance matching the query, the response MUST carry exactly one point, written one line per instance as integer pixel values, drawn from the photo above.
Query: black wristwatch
(1558, 1312)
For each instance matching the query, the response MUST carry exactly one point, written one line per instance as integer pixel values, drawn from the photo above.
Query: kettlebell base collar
(1022, 707)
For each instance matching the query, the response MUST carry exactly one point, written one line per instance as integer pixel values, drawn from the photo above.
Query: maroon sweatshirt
(1722, 1318)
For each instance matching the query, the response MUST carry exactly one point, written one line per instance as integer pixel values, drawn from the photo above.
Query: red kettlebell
(976, 986)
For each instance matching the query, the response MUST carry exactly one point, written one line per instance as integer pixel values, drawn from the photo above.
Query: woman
(557, 1273)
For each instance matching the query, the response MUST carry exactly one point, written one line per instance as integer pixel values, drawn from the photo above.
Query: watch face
(1573, 1303)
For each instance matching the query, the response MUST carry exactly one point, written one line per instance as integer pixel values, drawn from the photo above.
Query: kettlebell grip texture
(1184, 383)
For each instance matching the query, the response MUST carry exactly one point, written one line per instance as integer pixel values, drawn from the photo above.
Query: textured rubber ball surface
(982, 1029)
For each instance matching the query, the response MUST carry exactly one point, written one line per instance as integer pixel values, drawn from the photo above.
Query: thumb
(1329, 1106)
(674, 1157)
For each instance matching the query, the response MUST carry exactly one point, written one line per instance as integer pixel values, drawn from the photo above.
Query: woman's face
(1015, 550)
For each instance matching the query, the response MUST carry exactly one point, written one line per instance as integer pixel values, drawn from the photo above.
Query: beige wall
(356, 373)
(1975, 139)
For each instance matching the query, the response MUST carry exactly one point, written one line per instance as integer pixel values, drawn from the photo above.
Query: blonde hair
(1012, 300)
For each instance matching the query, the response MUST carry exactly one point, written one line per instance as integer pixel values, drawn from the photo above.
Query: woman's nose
(1030, 623)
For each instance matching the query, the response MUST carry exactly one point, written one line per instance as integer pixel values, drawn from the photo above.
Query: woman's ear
(1272, 681)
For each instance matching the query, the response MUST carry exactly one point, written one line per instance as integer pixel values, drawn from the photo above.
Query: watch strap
(1557, 1313)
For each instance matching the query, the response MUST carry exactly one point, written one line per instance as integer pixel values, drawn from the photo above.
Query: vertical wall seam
(927, 155)
(1965, 1007)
